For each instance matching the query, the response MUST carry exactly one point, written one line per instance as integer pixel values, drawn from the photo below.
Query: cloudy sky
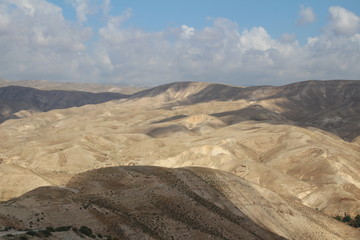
(141, 42)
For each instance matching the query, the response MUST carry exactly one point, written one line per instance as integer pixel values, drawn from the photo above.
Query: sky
(147, 43)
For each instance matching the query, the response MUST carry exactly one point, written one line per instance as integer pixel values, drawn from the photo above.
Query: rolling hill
(297, 145)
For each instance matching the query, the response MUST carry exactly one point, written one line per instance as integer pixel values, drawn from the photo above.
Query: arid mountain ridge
(333, 106)
(262, 137)
(70, 86)
(329, 105)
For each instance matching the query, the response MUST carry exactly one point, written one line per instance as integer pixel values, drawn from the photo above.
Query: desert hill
(333, 106)
(144, 202)
(70, 86)
(300, 142)
(14, 99)
(330, 105)
(303, 164)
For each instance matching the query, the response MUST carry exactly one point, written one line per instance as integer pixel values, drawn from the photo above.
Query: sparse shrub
(45, 232)
(23, 238)
(346, 219)
(50, 229)
(349, 221)
(85, 230)
(62, 229)
(355, 222)
(32, 233)
(7, 228)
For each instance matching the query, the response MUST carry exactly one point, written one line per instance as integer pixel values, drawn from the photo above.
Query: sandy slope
(302, 164)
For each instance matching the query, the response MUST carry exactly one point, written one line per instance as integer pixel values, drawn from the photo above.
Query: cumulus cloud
(187, 32)
(306, 15)
(343, 22)
(38, 43)
(32, 7)
(82, 9)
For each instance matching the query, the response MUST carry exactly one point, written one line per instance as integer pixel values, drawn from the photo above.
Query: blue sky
(134, 42)
(277, 17)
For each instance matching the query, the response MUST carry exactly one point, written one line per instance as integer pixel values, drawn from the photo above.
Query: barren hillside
(271, 138)
(159, 203)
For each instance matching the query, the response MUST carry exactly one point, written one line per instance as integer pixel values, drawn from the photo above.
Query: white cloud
(82, 9)
(32, 7)
(187, 32)
(306, 15)
(343, 22)
(4, 21)
(38, 43)
(257, 38)
(113, 28)
(106, 6)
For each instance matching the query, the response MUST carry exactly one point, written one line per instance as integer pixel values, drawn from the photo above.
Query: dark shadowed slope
(160, 203)
(14, 99)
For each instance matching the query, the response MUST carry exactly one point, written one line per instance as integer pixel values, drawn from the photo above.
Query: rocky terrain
(144, 202)
(294, 149)
(333, 106)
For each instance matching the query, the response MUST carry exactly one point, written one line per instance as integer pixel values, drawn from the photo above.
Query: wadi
(185, 160)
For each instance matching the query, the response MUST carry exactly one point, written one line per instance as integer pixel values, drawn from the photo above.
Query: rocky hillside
(143, 202)
(329, 105)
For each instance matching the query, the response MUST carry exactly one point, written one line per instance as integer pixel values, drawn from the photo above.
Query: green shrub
(7, 228)
(32, 233)
(45, 232)
(346, 219)
(85, 230)
(62, 229)
(50, 229)
(356, 222)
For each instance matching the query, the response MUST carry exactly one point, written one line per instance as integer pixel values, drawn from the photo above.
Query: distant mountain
(329, 105)
(15, 98)
(69, 86)
(143, 202)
